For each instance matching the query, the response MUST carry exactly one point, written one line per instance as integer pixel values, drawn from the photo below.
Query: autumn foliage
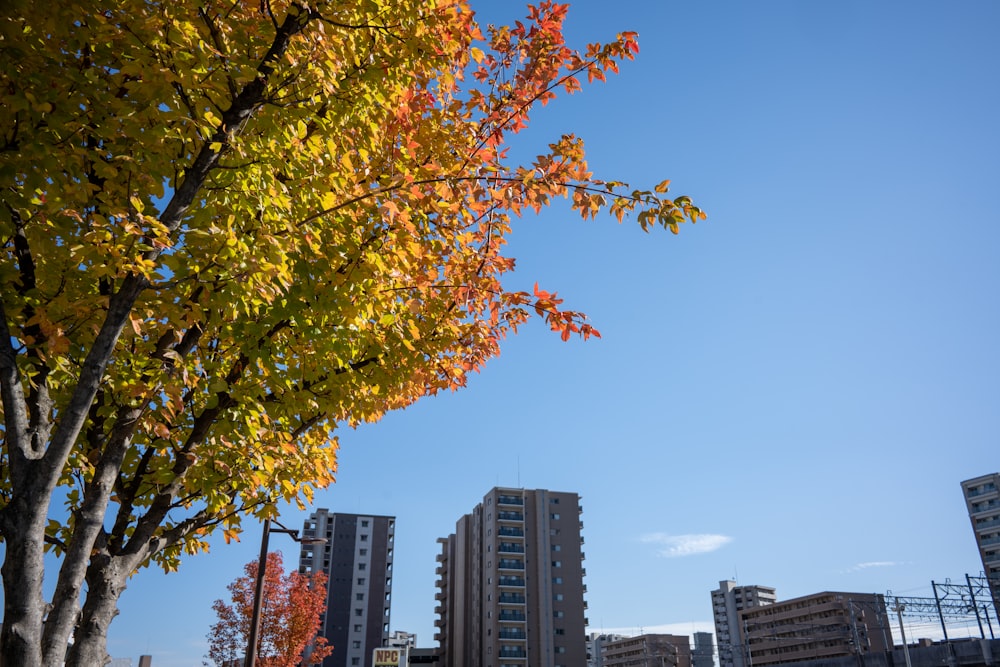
(289, 620)
(229, 227)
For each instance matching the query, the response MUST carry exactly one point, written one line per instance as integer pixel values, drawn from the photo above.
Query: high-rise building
(357, 559)
(815, 627)
(511, 583)
(982, 497)
(652, 650)
(703, 653)
(727, 601)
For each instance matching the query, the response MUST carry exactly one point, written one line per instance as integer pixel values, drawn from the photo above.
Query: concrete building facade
(650, 650)
(510, 583)
(727, 602)
(595, 642)
(357, 559)
(814, 627)
(982, 499)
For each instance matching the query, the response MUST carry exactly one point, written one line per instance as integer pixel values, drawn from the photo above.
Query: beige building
(727, 602)
(648, 651)
(823, 625)
(510, 586)
(982, 498)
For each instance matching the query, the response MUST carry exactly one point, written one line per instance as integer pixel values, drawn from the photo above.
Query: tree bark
(23, 571)
(106, 579)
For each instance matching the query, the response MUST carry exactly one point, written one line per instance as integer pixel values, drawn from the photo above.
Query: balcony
(510, 564)
(511, 598)
(510, 531)
(511, 500)
(512, 615)
(439, 610)
(985, 506)
(507, 580)
(512, 633)
(990, 540)
(987, 523)
(510, 516)
(512, 652)
(510, 548)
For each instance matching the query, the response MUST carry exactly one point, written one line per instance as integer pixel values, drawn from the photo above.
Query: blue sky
(800, 382)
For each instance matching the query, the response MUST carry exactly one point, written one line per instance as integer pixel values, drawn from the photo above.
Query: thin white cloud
(873, 563)
(686, 545)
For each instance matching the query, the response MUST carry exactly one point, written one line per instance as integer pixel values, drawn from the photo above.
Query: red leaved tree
(289, 618)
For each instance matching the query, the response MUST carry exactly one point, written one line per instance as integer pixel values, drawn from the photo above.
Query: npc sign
(389, 657)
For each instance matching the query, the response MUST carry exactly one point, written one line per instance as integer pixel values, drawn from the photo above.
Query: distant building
(822, 625)
(596, 641)
(400, 639)
(510, 587)
(648, 651)
(357, 558)
(703, 653)
(727, 601)
(982, 497)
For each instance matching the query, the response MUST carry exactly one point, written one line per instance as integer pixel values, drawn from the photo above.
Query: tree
(289, 619)
(228, 228)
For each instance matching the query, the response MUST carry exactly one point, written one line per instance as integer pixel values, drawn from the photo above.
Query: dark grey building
(702, 655)
(510, 586)
(357, 558)
(982, 499)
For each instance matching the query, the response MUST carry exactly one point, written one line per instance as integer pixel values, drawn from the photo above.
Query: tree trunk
(106, 579)
(23, 571)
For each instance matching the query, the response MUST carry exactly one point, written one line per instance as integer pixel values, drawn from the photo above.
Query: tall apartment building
(703, 654)
(357, 559)
(982, 498)
(818, 626)
(727, 601)
(510, 587)
(653, 650)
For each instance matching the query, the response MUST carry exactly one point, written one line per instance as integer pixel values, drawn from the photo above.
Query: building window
(359, 597)
(362, 566)
(363, 552)
(361, 581)
(359, 612)
(364, 538)
(357, 628)
(555, 501)
(560, 631)
(558, 597)
(560, 649)
(556, 547)
(364, 523)
(557, 614)
(355, 661)
(555, 517)
(556, 580)
(356, 643)
(557, 563)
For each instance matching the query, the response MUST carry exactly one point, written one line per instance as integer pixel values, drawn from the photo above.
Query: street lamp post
(258, 591)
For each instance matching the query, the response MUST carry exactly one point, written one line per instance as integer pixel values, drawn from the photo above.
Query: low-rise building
(651, 650)
(822, 625)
